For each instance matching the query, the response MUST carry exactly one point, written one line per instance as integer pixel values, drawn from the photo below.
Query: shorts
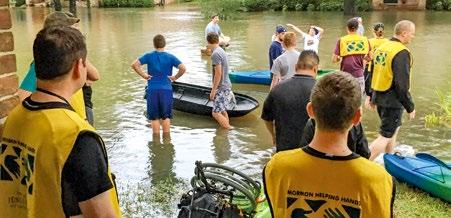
(224, 100)
(159, 104)
(390, 120)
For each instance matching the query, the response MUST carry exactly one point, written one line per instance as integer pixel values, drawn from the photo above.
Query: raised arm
(295, 28)
(93, 73)
(320, 31)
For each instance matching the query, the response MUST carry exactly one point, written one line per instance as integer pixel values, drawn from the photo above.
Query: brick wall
(402, 4)
(8, 77)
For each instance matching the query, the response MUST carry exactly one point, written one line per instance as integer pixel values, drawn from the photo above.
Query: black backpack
(198, 203)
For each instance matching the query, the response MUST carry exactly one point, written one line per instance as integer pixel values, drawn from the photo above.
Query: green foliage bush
(227, 8)
(438, 5)
(127, 3)
(20, 3)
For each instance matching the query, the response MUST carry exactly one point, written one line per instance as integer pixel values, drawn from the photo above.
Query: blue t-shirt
(30, 80)
(275, 51)
(212, 27)
(159, 66)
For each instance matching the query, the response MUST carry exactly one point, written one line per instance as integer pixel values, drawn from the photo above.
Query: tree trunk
(73, 7)
(58, 6)
(349, 7)
(88, 3)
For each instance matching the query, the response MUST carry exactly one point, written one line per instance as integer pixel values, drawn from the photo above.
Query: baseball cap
(59, 18)
(280, 29)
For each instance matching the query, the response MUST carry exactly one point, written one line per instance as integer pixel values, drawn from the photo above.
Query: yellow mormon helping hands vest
(298, 184)
(354, 44)
(35, 147)
(375, 43)
(383, 58)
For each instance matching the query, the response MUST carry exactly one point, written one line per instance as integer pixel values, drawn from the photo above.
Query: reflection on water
(116, 37)
(161, 158)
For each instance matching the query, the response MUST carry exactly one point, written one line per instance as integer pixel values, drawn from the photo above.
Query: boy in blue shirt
(159, 89)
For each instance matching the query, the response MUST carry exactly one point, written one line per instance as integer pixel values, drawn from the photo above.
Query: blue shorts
(224, 100)
(159, 104)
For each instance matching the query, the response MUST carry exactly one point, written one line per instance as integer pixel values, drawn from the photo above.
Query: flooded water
(116, 37)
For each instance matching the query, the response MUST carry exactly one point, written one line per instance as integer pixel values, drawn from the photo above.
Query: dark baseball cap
(59, 18)
(280, 29)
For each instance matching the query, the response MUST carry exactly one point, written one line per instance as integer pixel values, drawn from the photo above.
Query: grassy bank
(161, 198)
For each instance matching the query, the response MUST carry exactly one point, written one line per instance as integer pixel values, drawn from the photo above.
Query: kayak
(423, 171)
(262, 76)
(195, 99)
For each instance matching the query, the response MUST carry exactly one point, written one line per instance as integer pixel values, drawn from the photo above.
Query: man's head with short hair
(59, 18)
(212, 38)
(308, 60)
(378, 29)
(352, 25)
(159, 41)
(335, 102)
(215, 18)
(289, 40)
(57, 50)
(405, 31)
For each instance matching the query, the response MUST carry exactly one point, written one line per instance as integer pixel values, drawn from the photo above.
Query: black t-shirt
(85, 173)
(286, 106)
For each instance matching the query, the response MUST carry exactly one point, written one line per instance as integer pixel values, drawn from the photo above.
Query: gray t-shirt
(284, 65)
(212, 27)
(220, 57)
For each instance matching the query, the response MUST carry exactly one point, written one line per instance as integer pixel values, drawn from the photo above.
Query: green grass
(412, 202)
(444, 115)
(160, 200)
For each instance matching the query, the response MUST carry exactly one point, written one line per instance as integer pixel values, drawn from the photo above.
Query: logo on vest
(381, 59)
(355, 46)
(17, 163)
(322, 205)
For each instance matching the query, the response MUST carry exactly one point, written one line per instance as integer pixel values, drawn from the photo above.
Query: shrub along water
(230, 6)
(126, 3)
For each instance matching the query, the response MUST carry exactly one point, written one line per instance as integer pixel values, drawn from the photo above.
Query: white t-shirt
(311, 42)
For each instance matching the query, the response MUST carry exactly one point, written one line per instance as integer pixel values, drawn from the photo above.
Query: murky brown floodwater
(116, 37)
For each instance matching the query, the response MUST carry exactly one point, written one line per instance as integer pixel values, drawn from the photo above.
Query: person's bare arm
(270, 127)
(136, 65)
(296, 28)
(99, 206)
(275, 81)
(93, 73)
(320, 31)
(182, 70)
(335, 58)
(216, 80)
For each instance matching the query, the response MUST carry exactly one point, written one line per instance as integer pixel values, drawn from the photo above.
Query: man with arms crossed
(325, 178)
(221, 91)
(53, 162)
(285, 105)
(390, 84)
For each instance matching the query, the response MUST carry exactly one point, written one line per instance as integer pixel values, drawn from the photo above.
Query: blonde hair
(403, 25)
(289, 39)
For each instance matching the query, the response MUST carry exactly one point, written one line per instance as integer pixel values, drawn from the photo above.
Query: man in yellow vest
(353, 50)
(325, 178)
(52, 162)
(375, 42)
(390, 83)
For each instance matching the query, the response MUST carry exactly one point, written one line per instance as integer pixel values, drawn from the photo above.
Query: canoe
(194, 99)
(262, 76)
(423, 171)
